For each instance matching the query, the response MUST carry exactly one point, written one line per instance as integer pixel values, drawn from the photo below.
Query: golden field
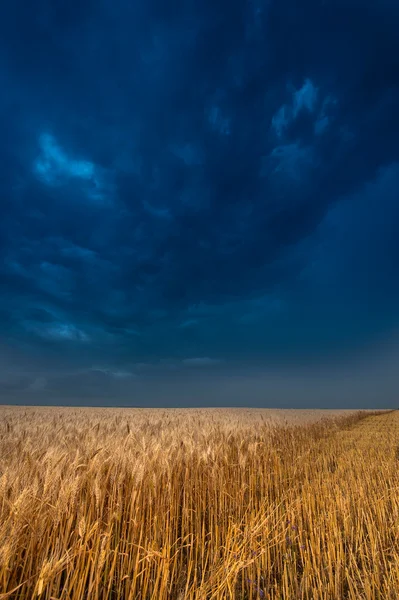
(198, 504)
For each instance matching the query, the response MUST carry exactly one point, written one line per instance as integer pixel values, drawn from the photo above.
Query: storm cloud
(191, 190)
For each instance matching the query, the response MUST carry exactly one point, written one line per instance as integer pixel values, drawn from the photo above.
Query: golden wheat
(198, 504)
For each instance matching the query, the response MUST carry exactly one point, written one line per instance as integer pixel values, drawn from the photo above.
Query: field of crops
(198, 504)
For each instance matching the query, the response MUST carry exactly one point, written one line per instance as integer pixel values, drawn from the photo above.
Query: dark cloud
(205, 183)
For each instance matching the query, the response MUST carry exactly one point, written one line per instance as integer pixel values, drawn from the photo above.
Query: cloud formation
(194, 184)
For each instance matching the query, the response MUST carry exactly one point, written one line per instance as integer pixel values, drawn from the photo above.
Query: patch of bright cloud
(188, 323)
(53, 163)
(54, 167)
(57, 331)
(122, 374)
(201, 362)
(118, 374)
(66, 331)
(305, 98)
(290, 160)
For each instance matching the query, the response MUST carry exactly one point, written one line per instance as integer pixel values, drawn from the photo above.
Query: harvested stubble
(202, 504)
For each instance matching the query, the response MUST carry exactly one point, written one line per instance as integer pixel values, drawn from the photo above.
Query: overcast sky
(199, 202)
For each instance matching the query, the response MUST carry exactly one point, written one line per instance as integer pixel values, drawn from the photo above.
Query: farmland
(198, 504)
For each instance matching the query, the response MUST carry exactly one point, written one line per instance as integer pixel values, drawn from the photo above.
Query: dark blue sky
(199, 202)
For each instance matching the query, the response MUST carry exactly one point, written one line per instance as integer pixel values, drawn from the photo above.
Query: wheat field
(198, 504)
